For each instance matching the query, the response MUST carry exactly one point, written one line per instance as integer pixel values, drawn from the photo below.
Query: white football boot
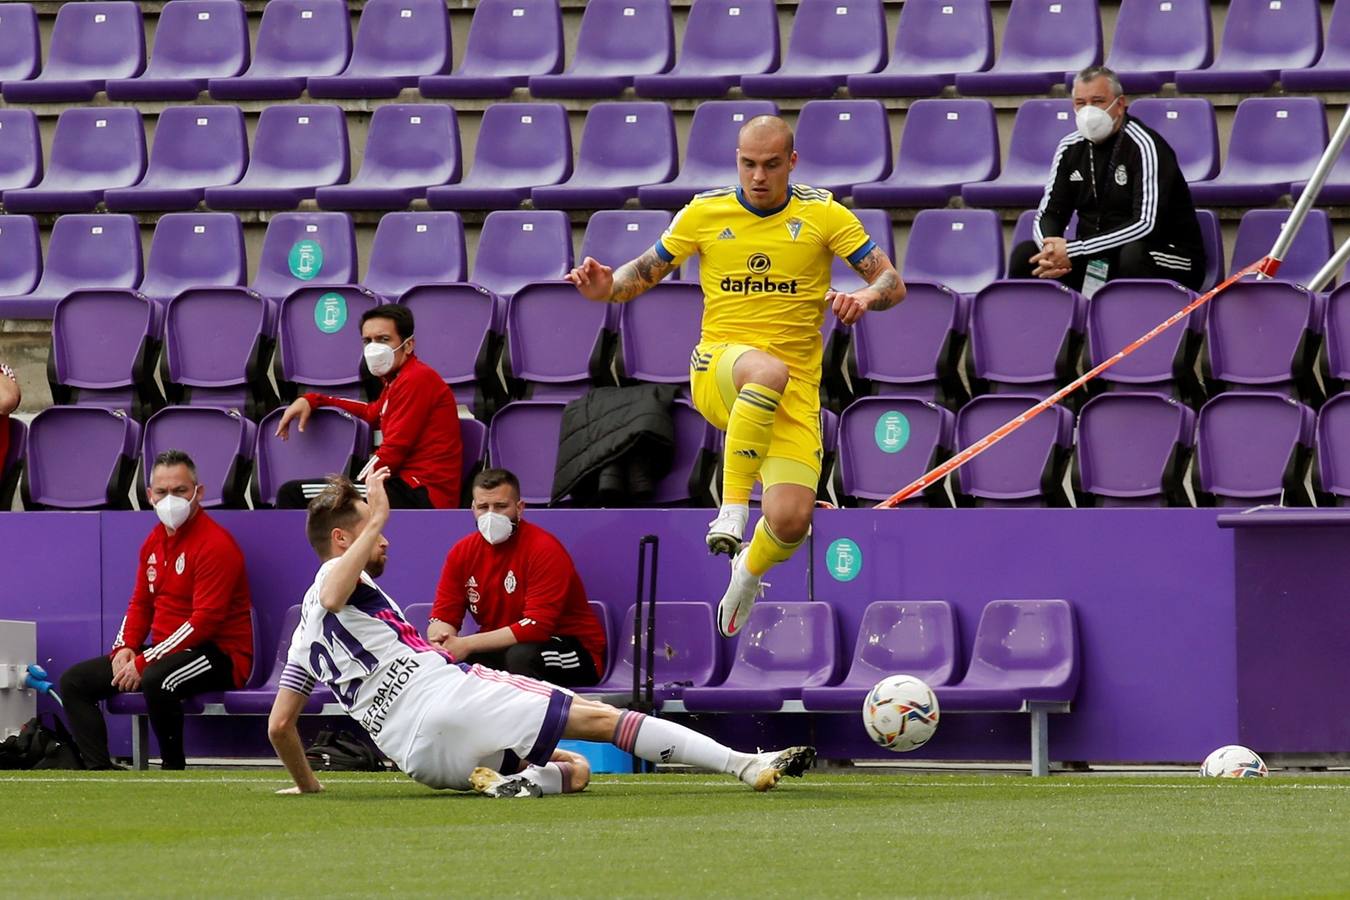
(727, 531)
(765, 770)
(742, 592)
(493, 784)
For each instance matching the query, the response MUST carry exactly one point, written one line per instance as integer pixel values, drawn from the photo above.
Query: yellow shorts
(795, 448)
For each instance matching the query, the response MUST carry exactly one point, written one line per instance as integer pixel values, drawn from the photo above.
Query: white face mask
(380, 358)
(173, 511)
(495, 527)
(1095, 123)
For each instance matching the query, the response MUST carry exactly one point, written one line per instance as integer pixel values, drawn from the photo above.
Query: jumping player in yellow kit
(766, 248)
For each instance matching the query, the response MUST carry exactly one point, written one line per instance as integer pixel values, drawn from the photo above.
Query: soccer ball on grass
(1233, 761)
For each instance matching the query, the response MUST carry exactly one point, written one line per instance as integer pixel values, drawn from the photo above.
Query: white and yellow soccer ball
(1233, 761)
(900, 713)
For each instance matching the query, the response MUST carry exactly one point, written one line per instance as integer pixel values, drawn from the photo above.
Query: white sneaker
(498, 786)
(727, 531)
(767, 769)
(742, 592)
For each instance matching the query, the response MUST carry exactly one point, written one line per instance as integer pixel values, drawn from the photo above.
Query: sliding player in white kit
(447, 724)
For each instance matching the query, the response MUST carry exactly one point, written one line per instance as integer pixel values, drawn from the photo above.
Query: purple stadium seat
(473, 450)
(11, 466)
(1123, 310)
(104, 350)
(297, 39)
(715, 53)
(691, 463)
(516, 247)
(1025, 651)
(912, 350)
(408, 149)
(467, 323)
(658, 330)
(1133, 450)
(614, 236)
(93, 150)
(1312, 247)
(412, 248)
(20, 149)
(945, 144)
(334, 442)
(841, 143)
(523, 437)
(1332, 474)
(1259, 39)
(319, 339)
(195, 41)
(1263, 335)
(687, 655)
(193, 250)
(397, 42)
(296, 150)
(217, 345)
(258, 701)
(509, 40)
(304, 247)
(1211, 235)
(886, 442)
(1331, 72)
(1042, 40)
(1038, 128)
(520, 146)
(831, 40)
(195, 147)
(916, 637)
(1336, 327)
(1154, 40)
(710, 160)
(1025, 336)
(934, 41)
(877, 224)
(960, 248)
(90, 43)
(1189, 127)
(607, 57)
(1024, 469)
(1027, 219)
(20, 256)
(786, 647)
(1253, 449)
(220, 442)
(1274, 142)
(623, 146)
(84, 251)
(80, 458)
(557, 340)
(20, 45)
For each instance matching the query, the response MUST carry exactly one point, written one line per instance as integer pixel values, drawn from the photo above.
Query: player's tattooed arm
(882, 279)
(639, 275)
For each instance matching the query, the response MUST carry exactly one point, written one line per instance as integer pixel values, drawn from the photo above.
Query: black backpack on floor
(335, 750)
(38, 747)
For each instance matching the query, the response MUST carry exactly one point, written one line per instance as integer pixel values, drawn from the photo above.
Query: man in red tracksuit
(523, 591)
(415, 412)
(192, 600)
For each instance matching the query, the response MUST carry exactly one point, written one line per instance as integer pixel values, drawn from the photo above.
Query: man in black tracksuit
(1135, 214)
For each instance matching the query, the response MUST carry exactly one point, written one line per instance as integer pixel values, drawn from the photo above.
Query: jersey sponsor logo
(180, 564)
(1121, 175)
(749, 284)
(759, 263)
(510, 582)
(151, 573)
(472, 594)
(727, 235)
(747, 452)
(472, 582)
(151, 561)
(395, 680)
(794, 227)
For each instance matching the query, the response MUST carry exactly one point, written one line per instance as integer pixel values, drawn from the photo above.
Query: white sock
(663, 741)
(551, 778)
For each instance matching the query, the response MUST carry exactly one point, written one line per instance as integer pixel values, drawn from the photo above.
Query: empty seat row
(307, 44)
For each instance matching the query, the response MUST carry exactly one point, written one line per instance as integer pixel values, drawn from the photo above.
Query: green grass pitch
(223, 833)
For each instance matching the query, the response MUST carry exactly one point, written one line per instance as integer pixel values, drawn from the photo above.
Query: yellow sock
(749, 430)
(766, 550)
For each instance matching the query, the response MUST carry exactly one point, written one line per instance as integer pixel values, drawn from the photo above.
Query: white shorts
(475, 716)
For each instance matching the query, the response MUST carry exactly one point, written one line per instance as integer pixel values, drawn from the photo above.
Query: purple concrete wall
(1153, 590)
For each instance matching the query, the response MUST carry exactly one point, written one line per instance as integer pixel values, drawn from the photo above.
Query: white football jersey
(366, 653)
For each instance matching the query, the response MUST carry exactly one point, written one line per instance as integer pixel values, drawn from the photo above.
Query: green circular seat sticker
(892, 432)
(844, 560)
(306, 259)
(330, 312)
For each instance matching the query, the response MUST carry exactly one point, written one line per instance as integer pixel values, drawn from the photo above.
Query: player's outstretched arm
(342, 580)
(285, 738)
(598, 282)
(884, 289)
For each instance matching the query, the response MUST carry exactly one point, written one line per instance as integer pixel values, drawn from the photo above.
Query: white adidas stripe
(163, 648)
(191, 670)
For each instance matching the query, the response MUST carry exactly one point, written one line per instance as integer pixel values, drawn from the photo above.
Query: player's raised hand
(301, 410)
(593, 280)
(848, 308)
(376, 495)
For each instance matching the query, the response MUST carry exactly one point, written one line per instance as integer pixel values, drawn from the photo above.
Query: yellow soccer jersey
(765, 273)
